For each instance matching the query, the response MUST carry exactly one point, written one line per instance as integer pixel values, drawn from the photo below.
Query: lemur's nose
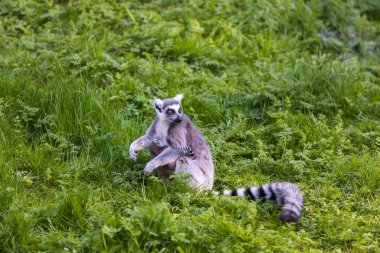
(178, 119)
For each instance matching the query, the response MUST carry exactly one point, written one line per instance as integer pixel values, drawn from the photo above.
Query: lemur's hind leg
(167, 157)
(198, 177)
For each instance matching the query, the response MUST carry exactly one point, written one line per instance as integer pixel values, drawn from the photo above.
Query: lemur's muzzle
(178, 119)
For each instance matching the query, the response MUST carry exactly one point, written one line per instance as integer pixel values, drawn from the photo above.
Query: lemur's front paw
(133, 152)
(134, 148)
(133, 155)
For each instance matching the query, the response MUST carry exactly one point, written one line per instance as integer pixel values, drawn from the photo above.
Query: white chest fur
(162, 128)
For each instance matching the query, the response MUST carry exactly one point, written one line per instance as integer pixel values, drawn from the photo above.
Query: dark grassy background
(282, 90)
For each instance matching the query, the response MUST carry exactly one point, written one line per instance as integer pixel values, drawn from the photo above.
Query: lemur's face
(169, 109)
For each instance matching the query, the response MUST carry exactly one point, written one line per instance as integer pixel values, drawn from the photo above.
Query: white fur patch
(159, 103)
(241, 192)
(175, 107)
(179, 97)
(267, 192)
(227, 192)
(162, 130)
(255, 193)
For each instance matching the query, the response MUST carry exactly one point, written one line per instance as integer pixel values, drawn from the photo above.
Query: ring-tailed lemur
(180, 147)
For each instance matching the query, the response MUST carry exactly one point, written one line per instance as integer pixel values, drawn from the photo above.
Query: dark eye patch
(170, 112)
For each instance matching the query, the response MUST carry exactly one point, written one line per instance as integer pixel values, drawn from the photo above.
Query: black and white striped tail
(284, 193)
(188, 151)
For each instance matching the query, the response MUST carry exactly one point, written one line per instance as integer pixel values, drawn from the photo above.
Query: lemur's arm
(186, 150)
(141, 143)
(167, 156)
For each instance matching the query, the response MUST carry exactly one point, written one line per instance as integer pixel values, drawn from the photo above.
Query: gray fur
(170, 101)
(196, 160)
(178, 146)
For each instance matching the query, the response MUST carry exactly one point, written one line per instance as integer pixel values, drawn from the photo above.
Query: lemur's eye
(170, 112)
(180, 110)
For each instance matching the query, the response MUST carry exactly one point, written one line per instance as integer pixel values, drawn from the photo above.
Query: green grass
(282, 90)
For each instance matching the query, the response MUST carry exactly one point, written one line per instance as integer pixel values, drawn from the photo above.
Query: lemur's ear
(179, 97)
(159, 104)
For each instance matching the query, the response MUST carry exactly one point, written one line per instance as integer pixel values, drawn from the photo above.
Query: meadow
(283, 90)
